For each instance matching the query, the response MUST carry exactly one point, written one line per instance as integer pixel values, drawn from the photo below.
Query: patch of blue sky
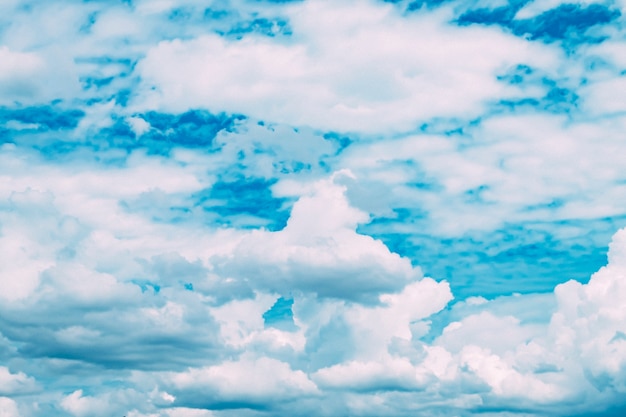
(569, 23)
(40, 118)
(342, 141)
(280, 315)
(401, 216)
(503, 15)
(180, 15)
(97, 82)
(450, 127)
(195, 128)
(558, 97)
(234, 23)
(105, 60)
(242, 202)
(529, 309)
(612, 411)
(556, 100)
(518, 258)
(104, 75)
(215, 14)
(147, 286)
(518, 74)
(279, 1)
(46, 128)
(91, 19)
(419, 4)
(260, 25)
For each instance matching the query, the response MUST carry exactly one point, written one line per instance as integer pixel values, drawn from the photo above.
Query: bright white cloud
(15, 383)
(514, 165)
(355, 67)
(18, 73)
(130, 285)
(8, 408)
(251, 381)
(318, 254)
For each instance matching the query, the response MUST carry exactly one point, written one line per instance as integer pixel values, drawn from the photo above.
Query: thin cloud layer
(295, 208)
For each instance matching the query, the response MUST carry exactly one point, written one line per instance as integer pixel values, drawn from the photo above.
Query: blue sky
(214, 208)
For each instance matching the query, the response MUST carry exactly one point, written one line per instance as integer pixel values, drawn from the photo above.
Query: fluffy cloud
(163, 258)
(318, 254)
(11, 383)
(517, 165)
(374, 71)
(8, 408)
(210, 355)
(247, 383)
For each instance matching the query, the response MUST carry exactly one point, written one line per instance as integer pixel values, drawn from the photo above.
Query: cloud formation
(272, 208)
(382, 71)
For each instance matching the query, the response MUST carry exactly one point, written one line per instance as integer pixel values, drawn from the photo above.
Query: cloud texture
(295, 208)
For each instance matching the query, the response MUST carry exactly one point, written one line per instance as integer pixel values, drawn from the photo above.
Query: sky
(215, 208)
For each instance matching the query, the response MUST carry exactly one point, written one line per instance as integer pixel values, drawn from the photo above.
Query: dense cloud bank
(162, 320)
(295, 208)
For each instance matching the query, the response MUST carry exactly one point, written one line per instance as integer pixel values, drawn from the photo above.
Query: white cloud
(240, 319)
(76, 283)
(576, 360)
(260, 381)
(601, 98)
(8, 408)
(486, 330)
(321, 254)
(504, 380)
(138, 125)
(18, 74)
(508, 166)
(384, 374)
(15, 383)
(114, 402)
(80, 405)
(111, 308)
(185, 412)
(375, 327)
(375, 71)
(590, 321)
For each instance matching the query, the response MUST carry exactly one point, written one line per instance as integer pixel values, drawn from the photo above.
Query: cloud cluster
(217, 208)
(157, 323)
(381, 71)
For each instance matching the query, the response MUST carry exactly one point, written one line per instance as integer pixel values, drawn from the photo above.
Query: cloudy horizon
(310, 207)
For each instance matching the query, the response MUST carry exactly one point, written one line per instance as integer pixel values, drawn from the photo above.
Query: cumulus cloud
(247, 383)
(317, 254)
(15, 383)
(303, 208)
